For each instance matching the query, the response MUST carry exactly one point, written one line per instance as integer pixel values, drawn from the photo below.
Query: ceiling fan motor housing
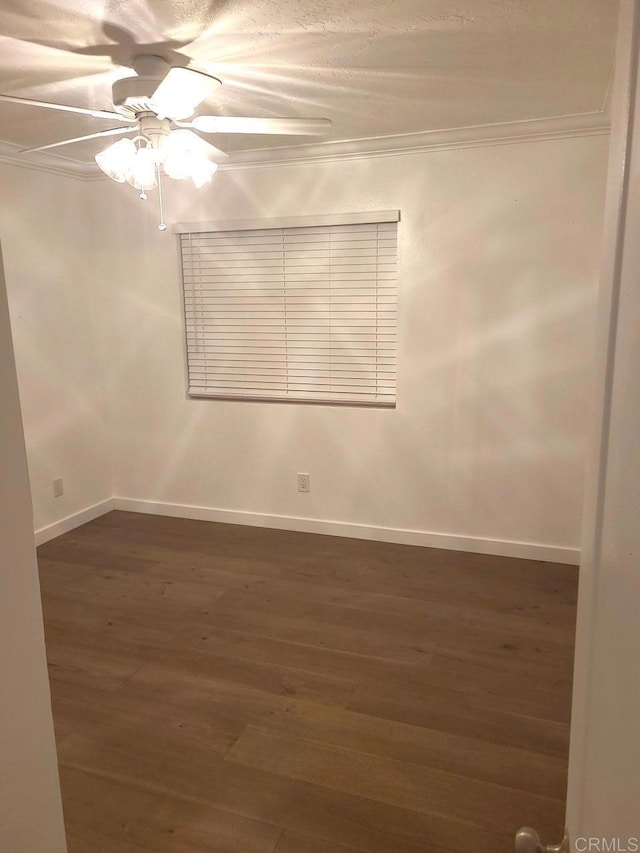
(132, 95)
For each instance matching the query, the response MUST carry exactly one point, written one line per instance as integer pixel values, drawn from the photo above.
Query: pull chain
(161, 226)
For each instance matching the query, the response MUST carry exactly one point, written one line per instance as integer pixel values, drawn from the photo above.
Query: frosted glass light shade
(178, 153)
(115, 161)
(185, 158)
(142, 172)
(202, 170)
(177, 164)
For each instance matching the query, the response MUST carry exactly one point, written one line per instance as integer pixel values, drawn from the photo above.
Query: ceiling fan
(158, 106)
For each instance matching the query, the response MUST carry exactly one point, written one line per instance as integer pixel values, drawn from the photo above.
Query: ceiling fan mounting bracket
(147, 65)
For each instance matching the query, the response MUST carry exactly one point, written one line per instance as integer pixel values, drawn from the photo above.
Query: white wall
(499, 251)
(30, 807)
(57, 317)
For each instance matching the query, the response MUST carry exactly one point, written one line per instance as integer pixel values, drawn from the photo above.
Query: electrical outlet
(304, 483)
(58, 488)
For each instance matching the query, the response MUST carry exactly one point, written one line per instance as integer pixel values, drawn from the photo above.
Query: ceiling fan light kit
(179, 153)
(154, 105)
(157, 149)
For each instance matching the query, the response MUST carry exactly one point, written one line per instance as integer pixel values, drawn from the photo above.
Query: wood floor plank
(349, 664)
(398, 783)
(224, 706)
(109, 611)
(106, 815)
(224, 688)
(195, 652)
(463, 756)
(75, 549)
(441, 615)
(293, 842)
(463, 714)
(156, 586)
(488, 683)
(527, 656)
(324, 625)
(97, 667)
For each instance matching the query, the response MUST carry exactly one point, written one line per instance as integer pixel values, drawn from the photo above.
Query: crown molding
(506, 133)
(45, 162)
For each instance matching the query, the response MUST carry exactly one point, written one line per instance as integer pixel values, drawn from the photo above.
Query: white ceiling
(375, 67)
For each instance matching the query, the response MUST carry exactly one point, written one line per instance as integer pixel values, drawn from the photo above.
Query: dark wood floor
(224, 689)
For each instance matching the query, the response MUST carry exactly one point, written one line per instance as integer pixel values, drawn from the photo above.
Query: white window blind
(296, 313)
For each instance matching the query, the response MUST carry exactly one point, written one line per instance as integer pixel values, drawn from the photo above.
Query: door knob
(528, 841)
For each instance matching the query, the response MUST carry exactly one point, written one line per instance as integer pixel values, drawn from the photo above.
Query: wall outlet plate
(304, 483)
(58, 488)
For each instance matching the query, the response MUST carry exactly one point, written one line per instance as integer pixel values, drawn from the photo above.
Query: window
(303, 312)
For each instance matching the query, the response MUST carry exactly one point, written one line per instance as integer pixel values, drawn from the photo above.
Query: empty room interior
(303, 314)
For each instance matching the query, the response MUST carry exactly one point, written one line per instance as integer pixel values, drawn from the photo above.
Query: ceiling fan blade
(106, 114)
(281, 126)
(188, 139)
(182, 91)
(113, 132)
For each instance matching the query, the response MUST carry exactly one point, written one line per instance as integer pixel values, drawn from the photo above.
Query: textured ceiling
(375, 67)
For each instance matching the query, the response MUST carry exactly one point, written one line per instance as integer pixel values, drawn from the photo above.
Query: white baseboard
(452, 542)
(44, 534)
(400, 536)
